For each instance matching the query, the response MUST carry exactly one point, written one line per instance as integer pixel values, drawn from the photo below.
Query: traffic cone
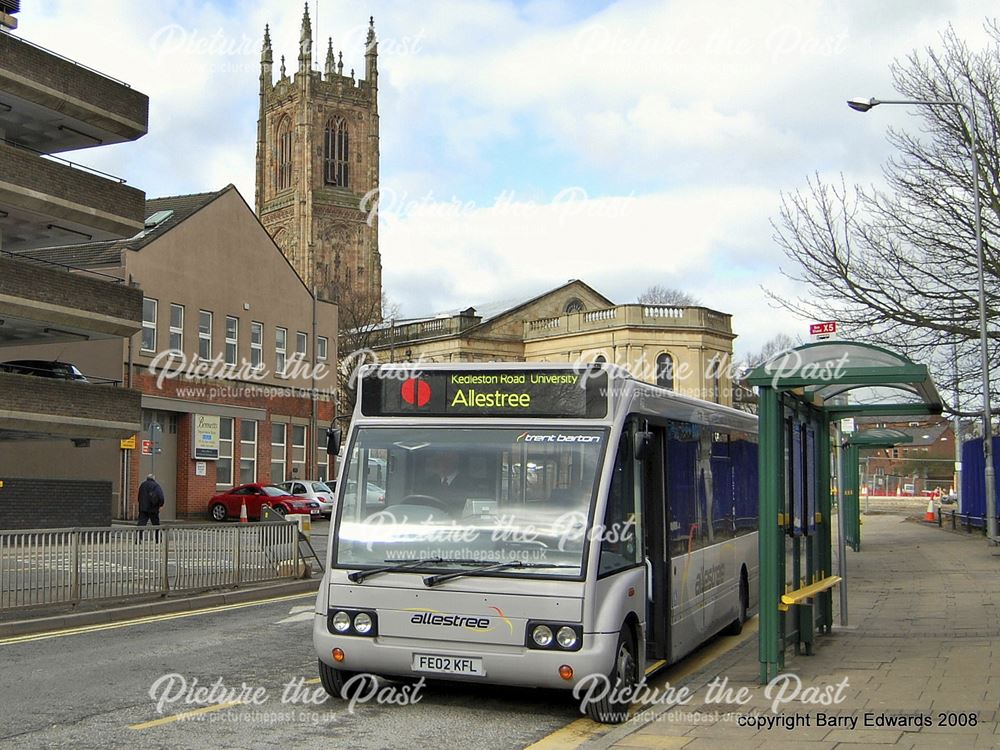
(929, 515)
(243, 512)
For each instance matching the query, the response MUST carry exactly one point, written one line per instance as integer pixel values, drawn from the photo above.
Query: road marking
(572, 735)
(299, 614)
(655, 665)
(184, 715)
(579, 731)
(142, 620)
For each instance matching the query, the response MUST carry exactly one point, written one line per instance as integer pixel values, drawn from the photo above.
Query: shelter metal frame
(803, 392)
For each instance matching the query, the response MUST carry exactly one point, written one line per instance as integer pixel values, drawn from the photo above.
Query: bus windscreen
(390, 392)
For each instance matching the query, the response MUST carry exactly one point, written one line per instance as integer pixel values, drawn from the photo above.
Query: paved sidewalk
(923, 641)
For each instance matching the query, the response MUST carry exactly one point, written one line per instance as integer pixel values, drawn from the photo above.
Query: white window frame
(322, 348)
(176, 330)
(252, 461)
(298, 454)
(280, 350)
(301, 345)
(279, 449)
(225, 452)
(233, 341)
(148, 325)
(204, 337)
(256, 345)
(321, 464)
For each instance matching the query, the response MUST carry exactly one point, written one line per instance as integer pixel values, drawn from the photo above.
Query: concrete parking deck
(923, 642)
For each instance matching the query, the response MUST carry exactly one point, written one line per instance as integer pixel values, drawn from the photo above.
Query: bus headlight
(363, 623)
(357, 622)
(542, 635)
(566, 637)
(341, 622)
(553, 636)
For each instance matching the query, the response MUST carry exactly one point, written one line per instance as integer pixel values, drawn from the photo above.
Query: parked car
(319, 492)
(227, 504)
(374, 495)
(43, 369)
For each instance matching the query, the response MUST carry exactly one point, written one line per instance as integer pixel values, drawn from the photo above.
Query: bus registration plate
(441, 664)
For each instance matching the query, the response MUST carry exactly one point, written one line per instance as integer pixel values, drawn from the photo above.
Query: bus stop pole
(841, 546)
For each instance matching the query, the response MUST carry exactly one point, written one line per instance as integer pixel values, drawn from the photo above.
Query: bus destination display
(486, 393)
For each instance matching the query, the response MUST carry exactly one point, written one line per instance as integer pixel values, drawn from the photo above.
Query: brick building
(231, 338)
(927, 463)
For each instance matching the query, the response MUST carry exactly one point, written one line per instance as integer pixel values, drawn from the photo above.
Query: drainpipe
(311, 439)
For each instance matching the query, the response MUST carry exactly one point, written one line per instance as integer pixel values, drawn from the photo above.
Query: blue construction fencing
(973, 482)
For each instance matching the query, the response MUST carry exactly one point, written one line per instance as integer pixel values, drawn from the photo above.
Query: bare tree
(777, 344)
(665, 295)
(363, 320)
(744, 397)
(898, 266)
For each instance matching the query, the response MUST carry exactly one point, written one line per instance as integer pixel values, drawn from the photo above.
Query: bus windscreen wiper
(360, 575)
(489, 567)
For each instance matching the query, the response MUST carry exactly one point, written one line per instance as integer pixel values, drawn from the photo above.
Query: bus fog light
(363, 623)
(341, 622)
(566, 672)
(566, 637)
(542, 635)
(338, 655)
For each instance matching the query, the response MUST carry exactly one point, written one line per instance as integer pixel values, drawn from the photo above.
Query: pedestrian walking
(150, 501)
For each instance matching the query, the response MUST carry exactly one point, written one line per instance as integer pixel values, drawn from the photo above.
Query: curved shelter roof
(848, 377)
(879, 437)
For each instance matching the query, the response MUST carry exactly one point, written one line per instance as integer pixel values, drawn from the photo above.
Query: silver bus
(535, 525)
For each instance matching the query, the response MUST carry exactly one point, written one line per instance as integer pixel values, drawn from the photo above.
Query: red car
(227, 504)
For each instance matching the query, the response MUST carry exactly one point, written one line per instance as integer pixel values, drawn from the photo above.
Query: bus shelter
(850, 503)
(803, 393)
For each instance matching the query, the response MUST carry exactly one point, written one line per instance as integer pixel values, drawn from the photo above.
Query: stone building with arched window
(686, 349)
(317, 168)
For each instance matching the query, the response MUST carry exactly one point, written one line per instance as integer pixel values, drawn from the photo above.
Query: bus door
(656, 545)
(686, 517)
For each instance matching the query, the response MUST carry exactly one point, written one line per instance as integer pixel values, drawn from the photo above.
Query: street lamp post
(863, 105)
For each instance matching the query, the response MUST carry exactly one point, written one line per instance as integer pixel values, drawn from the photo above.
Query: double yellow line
(142, 620)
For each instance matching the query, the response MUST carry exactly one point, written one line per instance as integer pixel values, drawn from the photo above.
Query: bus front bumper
(517, 666)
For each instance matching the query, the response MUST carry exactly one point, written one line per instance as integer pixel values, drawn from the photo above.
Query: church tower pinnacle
(318, 169)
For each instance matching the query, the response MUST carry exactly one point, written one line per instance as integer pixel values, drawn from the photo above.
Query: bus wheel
(613, 708)
(336, 680)
(736, 626)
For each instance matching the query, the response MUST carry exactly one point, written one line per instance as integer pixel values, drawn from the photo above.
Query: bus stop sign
(822, 331)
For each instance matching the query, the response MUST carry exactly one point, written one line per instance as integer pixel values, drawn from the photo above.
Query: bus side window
(619, 535)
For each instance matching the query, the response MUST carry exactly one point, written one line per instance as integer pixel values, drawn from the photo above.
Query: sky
(524, 144)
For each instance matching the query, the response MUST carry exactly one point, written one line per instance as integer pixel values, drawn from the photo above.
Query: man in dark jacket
(150, 501)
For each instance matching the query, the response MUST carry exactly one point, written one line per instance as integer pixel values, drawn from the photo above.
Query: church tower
(317, 169)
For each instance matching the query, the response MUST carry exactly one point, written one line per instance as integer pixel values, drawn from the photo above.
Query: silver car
(319, 492)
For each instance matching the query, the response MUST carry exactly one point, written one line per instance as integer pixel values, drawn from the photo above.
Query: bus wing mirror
(333, 436)
(643, 445)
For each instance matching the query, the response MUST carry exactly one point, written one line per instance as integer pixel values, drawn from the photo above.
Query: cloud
(508, 247)
(677, 125)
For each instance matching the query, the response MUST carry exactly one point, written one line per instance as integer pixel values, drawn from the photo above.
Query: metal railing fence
(66, 566)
